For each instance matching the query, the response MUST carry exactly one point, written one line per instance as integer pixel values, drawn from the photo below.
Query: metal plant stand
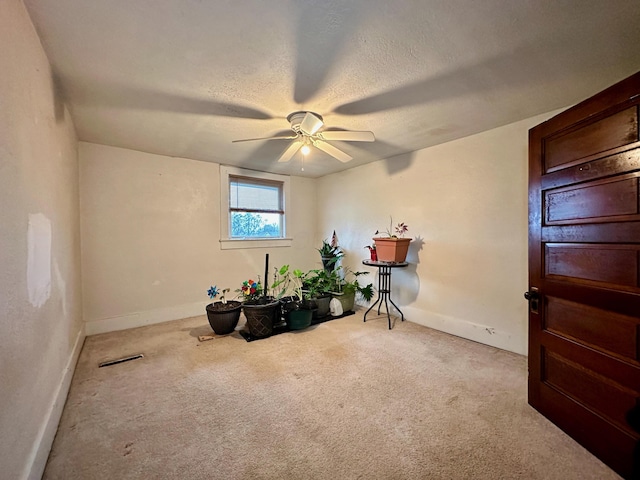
(384, 286)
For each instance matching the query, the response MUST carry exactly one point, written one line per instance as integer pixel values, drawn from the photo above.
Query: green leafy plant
(327, 249)
(319, 282)
(287, 281)
(330, 254)
(348, 283)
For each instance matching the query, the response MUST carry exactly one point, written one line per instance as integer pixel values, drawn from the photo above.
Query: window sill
(230, 244)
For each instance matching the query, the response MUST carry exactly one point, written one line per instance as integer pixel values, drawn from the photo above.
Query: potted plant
(347, 287)
(223, 315)
(318, 284)
(260, 311)
(296, 307)
(392, 247)
(330, 255)
(372, 252)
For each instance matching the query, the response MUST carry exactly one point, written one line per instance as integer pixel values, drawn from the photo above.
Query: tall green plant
(289, 282)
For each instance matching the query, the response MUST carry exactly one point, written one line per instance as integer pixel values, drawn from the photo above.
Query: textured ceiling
(185, 77)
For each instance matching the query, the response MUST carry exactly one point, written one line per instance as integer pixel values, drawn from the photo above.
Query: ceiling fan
(306, 132)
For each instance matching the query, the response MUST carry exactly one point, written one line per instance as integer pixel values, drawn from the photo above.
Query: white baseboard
(455, 326)
(149, 317)
(462, 328)
(42, 446)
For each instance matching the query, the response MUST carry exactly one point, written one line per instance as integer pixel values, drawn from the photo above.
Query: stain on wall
(39, 259)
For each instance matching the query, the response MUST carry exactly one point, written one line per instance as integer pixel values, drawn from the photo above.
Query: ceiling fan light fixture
(307, 131)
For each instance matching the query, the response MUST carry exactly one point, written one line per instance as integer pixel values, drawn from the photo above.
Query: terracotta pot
(392, 249)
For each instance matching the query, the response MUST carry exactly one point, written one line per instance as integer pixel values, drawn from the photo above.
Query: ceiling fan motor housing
(295, 119)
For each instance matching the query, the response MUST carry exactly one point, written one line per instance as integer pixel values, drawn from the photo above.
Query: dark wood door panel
(609, 332)
(614, 162)
(614, 99)
(627, 232)
(613, 199)
(611, 266)
(611, 444)
(591, 137)
(614, 301)
(595, 392)
(617, 370)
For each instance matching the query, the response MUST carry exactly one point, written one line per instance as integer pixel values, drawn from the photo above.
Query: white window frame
(226, 242)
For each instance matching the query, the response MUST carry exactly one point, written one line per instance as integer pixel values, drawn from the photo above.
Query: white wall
(150, 237)
(466, 206)
(40, 291)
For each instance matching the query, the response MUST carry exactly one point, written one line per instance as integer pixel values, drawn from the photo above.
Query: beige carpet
(341, 400)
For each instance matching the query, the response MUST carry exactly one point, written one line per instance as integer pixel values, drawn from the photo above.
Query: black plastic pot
(261, 316)
(299, 319)
(320, 304)
(223, 318)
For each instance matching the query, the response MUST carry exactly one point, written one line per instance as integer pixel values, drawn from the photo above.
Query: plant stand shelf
(282, 328)
(384, 286)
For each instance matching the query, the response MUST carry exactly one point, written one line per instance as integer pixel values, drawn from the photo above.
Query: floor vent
(120, 360)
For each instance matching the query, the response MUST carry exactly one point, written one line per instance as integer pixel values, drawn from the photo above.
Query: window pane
(252, 195)
(255, 225)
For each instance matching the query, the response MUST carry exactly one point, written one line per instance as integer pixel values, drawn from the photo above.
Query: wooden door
(584, 273)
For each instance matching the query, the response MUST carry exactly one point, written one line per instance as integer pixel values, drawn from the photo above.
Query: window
(253, 208)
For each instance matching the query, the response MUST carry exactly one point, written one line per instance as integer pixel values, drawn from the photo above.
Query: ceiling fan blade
(279, 137)
(333, 151)
(310, 124)
(290, 152)
(348, 136)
